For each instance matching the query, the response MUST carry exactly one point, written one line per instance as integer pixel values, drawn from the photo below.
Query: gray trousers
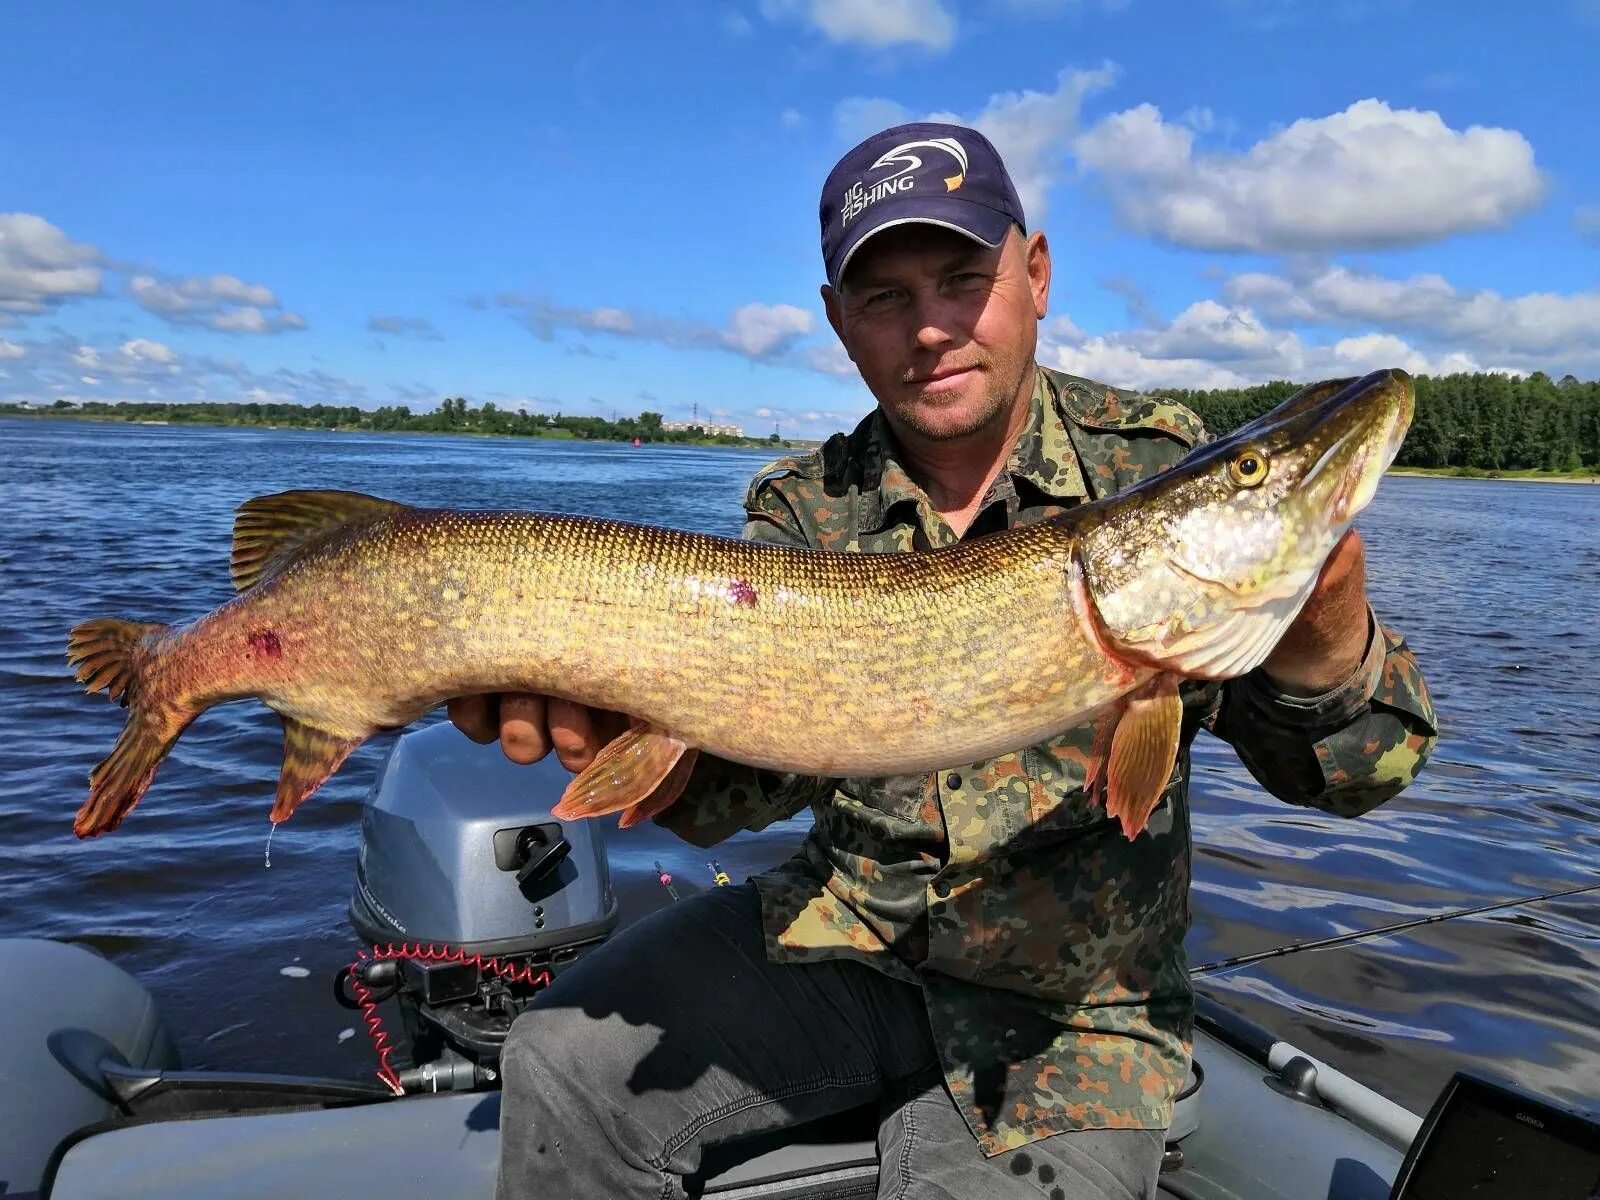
(678, 1034)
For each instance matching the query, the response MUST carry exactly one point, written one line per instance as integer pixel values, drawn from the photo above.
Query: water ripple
(1497, 596)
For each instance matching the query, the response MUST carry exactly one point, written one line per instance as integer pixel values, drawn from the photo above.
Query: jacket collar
(1042, 454)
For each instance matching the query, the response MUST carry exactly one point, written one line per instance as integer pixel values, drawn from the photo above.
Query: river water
(1495, 584)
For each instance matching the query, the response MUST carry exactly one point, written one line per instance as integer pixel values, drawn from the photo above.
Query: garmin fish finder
(1488, 1141)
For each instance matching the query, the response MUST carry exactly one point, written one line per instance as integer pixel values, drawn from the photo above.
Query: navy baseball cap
(927, 172)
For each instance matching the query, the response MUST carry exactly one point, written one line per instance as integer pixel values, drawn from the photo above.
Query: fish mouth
(1365, 462)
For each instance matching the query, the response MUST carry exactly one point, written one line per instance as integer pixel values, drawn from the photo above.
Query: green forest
(1474, 424)
(453, 415)
(1480, 423)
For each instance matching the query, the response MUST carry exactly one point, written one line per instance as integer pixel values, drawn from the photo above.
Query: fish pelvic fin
(640, 773)
(114, 657)
(310, 756)
(270, 532)
(1143, 750)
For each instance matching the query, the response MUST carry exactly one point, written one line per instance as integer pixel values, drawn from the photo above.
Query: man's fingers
(573, 734)
(523, 736)
(475, 716)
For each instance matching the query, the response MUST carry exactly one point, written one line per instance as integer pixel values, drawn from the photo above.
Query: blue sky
(600, 208)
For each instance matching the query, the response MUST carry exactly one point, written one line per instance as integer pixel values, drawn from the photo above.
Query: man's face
(942, 328)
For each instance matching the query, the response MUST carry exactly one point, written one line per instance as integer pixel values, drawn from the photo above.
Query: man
(982, 953)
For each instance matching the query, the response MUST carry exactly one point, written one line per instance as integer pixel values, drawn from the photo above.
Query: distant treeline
(452, 416)
(1481, 421)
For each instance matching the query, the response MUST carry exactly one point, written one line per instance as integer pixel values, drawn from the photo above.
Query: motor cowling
(459, 854)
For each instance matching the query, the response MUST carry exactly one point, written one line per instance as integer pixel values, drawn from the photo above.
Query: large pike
(356, 615)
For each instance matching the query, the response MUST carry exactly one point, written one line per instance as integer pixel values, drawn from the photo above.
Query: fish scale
(357, 614)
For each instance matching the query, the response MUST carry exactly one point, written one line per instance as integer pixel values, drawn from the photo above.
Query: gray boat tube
(67, 1010)
(1301, 1073)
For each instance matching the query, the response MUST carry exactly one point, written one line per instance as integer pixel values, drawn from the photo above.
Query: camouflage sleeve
(723, 798)
(1345, 751)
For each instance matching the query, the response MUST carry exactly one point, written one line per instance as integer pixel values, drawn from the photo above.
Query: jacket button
(952, 781)
(942, 890)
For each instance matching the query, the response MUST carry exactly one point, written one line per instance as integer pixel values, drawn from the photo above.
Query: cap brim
(977, 221)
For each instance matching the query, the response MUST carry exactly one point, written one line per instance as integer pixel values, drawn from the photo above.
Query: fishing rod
(1344, 939)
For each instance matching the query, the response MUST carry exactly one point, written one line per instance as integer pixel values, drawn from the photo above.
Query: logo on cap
(858, 196)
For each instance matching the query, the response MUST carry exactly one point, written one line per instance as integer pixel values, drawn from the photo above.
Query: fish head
(1200, 569)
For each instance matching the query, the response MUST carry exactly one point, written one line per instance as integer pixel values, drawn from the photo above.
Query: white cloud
(142, 370)
(135, 357)
(859, 117)
(143, 350)
(1375, 351)
(1369, 176)
(1033, 131)
(759, 330)
(1062, 331)
(40, 267)
(1586, 220)
(876, 23)
(829, 358)
(9, 349)
(1211, 331)
(1110, 361)
(417, 327)
(764, 332)
(221, 302)
(612, 319)
(1534, 329)
(791, 118)
(1117, 359)
(1213, 345)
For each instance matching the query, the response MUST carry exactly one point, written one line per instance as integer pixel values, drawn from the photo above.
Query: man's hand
(529, 726)
(1325, 644)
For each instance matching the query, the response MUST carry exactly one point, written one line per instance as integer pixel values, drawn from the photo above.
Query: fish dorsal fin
(269, 532)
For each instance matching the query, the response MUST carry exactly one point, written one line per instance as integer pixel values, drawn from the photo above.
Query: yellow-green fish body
(357, 614)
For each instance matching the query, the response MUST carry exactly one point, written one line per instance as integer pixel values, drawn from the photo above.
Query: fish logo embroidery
(859, 196)
(903, 153)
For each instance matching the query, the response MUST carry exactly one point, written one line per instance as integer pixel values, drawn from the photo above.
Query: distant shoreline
(1521, 475)
(562, 436)
(1517, 476)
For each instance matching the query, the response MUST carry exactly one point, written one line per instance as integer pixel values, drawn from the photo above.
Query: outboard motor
(461, 862)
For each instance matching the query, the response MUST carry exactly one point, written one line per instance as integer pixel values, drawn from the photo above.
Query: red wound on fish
(742, 593)
(265, 643)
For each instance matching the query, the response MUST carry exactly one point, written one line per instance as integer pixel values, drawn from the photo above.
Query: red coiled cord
(421, 953)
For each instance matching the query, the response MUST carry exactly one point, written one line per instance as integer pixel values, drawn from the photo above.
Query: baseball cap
(927, 172)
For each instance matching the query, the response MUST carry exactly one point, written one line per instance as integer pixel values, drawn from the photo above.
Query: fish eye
(1248, 468)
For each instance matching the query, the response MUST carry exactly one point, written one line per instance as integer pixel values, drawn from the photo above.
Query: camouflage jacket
(1049, 947)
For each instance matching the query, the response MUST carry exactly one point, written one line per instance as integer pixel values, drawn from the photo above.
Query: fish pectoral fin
(643, 768)
(1143, 749)
(270, 532)
(310, 755)
(666, 793)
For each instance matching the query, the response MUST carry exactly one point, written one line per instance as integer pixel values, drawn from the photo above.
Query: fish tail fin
(104, 653)
(113, 656)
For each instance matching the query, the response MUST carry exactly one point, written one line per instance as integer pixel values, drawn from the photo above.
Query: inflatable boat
(473, 897)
